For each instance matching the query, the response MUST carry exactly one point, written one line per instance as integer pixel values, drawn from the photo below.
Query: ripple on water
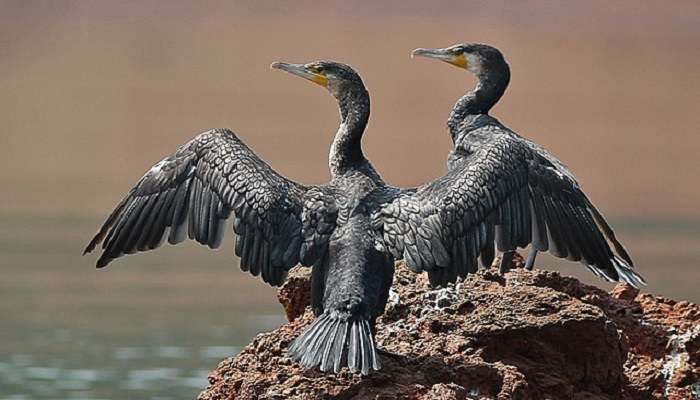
(130, 353)
(268, 321)
(137, 353)
(21, 360)
(72, 384)
(16, 397)
(42, 373)
(219, 351)
(148, 379)
(198, 380)
(88, 375)
(172, 352)
(153, 374)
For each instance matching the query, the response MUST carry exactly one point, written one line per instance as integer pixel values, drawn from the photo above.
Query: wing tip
(103, 262)
(96, 240)
(610, 235)
(622, 252)
(626, 274)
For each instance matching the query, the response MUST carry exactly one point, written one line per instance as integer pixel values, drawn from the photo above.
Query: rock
(530, 335)
(624, 291)
(295, 294)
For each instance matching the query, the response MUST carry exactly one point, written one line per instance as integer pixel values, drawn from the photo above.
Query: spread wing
(504, 193)
(194, 191)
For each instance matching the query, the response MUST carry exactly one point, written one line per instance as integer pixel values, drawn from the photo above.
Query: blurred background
(93, 93)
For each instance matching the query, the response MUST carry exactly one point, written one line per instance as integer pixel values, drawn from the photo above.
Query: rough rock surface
(528, 335)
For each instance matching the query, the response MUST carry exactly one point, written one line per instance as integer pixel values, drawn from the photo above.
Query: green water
(151, 326)
(154, 325)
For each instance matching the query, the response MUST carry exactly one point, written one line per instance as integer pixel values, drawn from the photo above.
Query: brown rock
(624, 291)
(295, 294)
(532, 335)
(449, 391)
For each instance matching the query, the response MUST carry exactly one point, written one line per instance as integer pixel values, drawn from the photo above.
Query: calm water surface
(151, 327)
(154, 325)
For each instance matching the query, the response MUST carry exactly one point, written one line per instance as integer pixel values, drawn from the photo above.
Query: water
(154, 325)
(151, 327)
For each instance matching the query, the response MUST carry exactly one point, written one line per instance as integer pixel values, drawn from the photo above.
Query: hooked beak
(302, 71)
(459, 60)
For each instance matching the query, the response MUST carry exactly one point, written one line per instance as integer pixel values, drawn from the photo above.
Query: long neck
(346, 150)
(488, 91)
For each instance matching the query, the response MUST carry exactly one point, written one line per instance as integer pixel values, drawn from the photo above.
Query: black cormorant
(351, 230)
(278, 223)
(548, 209)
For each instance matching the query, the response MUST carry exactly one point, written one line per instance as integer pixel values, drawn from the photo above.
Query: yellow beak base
(320, 79)
(460, 61)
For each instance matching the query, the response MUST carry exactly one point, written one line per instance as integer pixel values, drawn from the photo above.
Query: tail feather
(338, 345)
(304, 341)
(352, 348)
(312, 347)
(371, 351)
(332, 341)
(328, 346)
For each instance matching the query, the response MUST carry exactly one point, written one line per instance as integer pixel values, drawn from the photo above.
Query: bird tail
(334, 341)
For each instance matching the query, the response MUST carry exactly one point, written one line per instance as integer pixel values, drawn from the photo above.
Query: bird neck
(488, 90)
(346, 150)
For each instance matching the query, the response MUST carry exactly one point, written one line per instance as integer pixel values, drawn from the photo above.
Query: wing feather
(195, 190)
(505, 193)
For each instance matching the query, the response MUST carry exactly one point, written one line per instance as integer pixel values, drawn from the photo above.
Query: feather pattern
(198, 187)
(504, 192)
(499, 190)
(331, 340)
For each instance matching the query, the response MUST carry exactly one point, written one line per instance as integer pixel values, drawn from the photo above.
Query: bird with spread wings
(499, 189)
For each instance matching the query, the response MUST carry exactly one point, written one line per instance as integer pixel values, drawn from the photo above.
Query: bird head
(475, 57)
(336, 77)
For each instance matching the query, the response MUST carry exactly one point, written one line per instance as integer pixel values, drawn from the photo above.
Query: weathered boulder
(528, 335)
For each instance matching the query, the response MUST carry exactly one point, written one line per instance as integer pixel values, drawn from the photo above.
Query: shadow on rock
(530, 335)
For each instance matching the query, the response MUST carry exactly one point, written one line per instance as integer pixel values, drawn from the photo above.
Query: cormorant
(278, 223)
(352, 229)
(549, 209)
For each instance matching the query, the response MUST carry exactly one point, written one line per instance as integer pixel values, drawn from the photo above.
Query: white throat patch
(474, 64)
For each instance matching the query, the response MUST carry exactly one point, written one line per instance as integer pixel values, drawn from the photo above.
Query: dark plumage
(278, 223)
(521, 192)
(352, 229)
